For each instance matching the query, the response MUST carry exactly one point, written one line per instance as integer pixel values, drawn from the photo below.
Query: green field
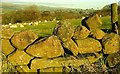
(46, 28)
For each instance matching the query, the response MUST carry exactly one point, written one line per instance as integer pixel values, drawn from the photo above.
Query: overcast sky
(72, 3)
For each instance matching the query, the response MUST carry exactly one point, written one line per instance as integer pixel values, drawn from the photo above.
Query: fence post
(114, 17)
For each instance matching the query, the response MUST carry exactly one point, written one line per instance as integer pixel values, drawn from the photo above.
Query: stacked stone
(94, 23)
(111, 43)
(49, 54)
(65, 32)
(13, 46)
(7, 48)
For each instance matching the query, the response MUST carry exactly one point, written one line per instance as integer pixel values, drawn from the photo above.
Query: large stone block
(64, 30)
(111, 43)
(71, 45)
(61, 61)
(88, 45)
(23, 39)
(81, 32)
(7, 33)
(48, 48)
(93, 22)
(7, 48)
(19, 58)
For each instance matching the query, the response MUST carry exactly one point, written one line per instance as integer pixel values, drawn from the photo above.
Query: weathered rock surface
(88, 45)
(49, 48)
(60, 62)
(7, 48)
(94, 22)
(111, 43)
(7, 33)
(81, 32)
(23, 39)
(19, 58)
(113, 59)
(71, 45)
(98, 34)
(64, 30)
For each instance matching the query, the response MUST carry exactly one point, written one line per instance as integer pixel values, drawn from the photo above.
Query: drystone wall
(65, 50)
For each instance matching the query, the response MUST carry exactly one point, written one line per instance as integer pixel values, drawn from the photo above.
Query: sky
(85, 4)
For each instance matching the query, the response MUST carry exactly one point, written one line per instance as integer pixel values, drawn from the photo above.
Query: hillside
(7, 7)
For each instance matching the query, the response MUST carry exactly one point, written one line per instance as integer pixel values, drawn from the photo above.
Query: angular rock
(81, 32)
(111, 43)
(7, 33)
(60, 62)
(94, 22)
(88, 45)
(19, 58)
(98, 34)
(113, 59)
(64, 30)
(44, 63)
(48, 48)
(7, 48)
(23, 39)
(71, 45)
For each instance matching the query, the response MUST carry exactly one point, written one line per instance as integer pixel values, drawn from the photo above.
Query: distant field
(46, 28)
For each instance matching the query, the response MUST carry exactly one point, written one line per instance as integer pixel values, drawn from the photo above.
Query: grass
(46, 28)
(106, 22)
